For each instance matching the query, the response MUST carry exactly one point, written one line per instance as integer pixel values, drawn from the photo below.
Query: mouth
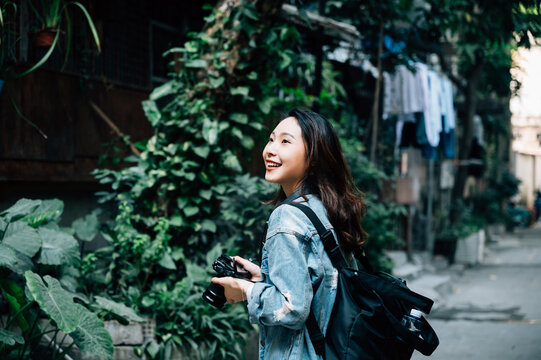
(272, 165)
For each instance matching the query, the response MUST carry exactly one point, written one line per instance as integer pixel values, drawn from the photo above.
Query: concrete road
(494, 309)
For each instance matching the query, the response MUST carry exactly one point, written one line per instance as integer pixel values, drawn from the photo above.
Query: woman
(304, 156)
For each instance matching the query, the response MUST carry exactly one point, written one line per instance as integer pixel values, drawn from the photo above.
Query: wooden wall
(60, 107)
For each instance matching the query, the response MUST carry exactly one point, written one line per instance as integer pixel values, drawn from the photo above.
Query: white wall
(526, 122)
(528, 169)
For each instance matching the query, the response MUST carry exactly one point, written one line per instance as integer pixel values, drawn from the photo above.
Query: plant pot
(470, 249)
(44, 38)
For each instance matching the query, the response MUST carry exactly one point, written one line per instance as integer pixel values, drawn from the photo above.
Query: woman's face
(285, 155)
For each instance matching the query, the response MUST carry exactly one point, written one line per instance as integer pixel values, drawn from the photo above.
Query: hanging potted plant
(49, 17)
(50, 14)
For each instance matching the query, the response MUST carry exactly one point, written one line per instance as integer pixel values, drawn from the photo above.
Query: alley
(494, 309)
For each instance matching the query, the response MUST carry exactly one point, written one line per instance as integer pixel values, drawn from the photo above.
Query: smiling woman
(296, 276)
(285, 155)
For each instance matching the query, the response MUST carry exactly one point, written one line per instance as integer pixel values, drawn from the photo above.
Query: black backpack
(366, 318)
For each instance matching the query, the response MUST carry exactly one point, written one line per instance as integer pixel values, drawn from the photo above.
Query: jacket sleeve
(285, 297)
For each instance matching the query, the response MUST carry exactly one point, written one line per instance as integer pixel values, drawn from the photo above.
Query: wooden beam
(330, 27)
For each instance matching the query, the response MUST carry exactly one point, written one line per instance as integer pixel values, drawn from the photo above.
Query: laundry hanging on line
(419, 95)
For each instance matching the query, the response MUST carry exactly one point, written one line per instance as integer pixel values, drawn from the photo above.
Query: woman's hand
(250, 267)
(235, 290)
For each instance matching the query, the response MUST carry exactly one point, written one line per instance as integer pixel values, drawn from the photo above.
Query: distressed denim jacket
(293, 262)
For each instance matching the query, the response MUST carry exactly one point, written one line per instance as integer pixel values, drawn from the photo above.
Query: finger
(248, 265)
(220, 281)
(242, 261)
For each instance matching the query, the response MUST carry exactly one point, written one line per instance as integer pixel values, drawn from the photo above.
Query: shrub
(38, 268)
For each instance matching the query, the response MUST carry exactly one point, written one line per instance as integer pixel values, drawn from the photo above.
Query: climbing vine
(174, 210)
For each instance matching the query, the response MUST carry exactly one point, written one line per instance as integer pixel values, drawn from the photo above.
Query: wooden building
(51, 136)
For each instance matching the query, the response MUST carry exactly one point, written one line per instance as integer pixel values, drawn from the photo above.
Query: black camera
(224, 266)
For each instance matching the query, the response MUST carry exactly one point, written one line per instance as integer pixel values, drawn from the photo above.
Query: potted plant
(50, 14)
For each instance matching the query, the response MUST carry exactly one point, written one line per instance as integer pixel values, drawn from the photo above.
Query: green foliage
(183, 195)
(490, 205)
(381, 216)
(32, 248)
(49, 15)
(244, 214)
(183, 201)
(380, 224)
(467, 223)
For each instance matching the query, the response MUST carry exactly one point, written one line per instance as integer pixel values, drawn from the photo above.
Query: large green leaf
(196, 272)
(239, 118)
(10, 338)
(231, 161)
(210, 131)
(265, 105)
(3, 226)
(202, 151)
(22, 237)
(167, 261)
(14, 295)
(23, 264)
(58, 248)
(90, 335)
(213, 254)
(48, 210)
(240, 90)
(152, 112)
(21, 208)
(54, 301)
(87, 228)
(162, 91)
(197, 63)
(117, 308)
(7, 256)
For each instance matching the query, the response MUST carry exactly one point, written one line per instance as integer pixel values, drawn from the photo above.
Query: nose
(269, 150)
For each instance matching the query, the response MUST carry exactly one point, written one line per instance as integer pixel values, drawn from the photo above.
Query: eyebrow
(284, 133)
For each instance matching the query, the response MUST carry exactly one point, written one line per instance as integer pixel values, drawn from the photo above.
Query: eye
(270, 139)
(285, 141)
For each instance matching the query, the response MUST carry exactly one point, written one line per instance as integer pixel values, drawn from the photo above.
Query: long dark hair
(329, 177)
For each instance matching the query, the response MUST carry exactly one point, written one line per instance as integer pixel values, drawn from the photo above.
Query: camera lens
(214, 295)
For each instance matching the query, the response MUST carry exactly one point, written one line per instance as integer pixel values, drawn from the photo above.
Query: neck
(288, 190)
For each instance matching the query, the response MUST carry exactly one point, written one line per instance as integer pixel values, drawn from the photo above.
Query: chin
(270, 178)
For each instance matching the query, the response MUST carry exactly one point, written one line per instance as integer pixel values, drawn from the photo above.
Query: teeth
(273, 165)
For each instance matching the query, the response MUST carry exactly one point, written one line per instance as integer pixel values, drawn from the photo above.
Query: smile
(272, 164)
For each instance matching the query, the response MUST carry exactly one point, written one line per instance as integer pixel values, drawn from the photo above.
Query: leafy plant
(38, 268)
(381, 216)
(380, 224)
(468, 222)
(183, 202)
(244, 214)
(32, 240)
(182, 196)
(49, 15)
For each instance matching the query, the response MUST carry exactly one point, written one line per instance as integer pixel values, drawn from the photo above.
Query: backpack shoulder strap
(329, 242)
(363, 259)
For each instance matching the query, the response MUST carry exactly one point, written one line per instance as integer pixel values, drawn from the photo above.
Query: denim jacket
(293, 262)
